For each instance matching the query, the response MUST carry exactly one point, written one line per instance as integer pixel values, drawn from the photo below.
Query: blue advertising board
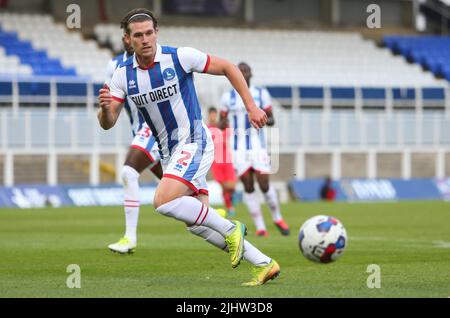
(39, 196)
(375, 189)
(33, 196)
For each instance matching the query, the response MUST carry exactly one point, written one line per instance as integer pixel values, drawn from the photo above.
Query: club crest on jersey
(169, 74)
(131, 84)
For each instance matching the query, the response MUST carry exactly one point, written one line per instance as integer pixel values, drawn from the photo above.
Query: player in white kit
(159, 81)
(250, 157)
(142, 154)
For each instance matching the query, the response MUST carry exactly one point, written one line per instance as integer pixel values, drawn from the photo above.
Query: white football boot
(124, 246)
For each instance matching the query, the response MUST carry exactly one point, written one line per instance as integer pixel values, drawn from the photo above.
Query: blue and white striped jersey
(165, 96)
(245, 136)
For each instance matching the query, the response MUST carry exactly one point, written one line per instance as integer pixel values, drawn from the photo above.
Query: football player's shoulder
(117, 58)
(125, 63)
(169, 50)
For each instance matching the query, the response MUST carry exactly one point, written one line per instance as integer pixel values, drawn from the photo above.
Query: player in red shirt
(222, 168)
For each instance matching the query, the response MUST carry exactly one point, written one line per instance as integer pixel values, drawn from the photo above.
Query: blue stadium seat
(403, 94)
(342, 93)
(373, 93)
(433, 93)
(6, 88)
(280, 91)
(34, 88)
(71, 89)
(39, 61)
(311, 92)
(430, 51)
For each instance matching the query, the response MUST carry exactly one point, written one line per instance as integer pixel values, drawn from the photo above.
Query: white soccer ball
(322, 239)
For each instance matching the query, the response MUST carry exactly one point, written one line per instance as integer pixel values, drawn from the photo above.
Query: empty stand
(429, 51)
(312, 60)
(49, 48)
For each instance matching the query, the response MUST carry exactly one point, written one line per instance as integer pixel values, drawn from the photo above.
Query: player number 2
(186, 156)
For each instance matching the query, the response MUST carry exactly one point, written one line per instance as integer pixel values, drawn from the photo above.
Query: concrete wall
(317, 165)
(393, 12)
(308, 13)
(389, 165)
(286, 169)
(28, 6)
(30, 169)
(447, 164)
(287, 11)
(354, 165)
(73, 169)
(423, 165)
(2, 162)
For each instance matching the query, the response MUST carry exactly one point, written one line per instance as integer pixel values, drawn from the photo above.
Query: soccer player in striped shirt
(142, 154)
(159, 81)
(250, 157)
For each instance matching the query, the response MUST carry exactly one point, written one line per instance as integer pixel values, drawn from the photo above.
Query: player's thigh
(247, 180)
(143, 151)
(157, 170)
(137, 159)
(263, 180)
(170, 189)
(187, 169)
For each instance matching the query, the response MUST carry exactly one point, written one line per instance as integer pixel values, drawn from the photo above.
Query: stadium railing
(54, 132)
(358, 98)
(48, 91)
(78, 91)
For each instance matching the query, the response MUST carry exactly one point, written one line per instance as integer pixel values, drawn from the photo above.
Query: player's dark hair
(137, 15)
(212, 109)
(245, 64)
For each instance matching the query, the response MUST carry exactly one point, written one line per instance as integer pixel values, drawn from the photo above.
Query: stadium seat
(429, 51)
(49, 48)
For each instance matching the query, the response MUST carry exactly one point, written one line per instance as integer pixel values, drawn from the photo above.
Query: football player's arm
(109, 110)
(111, 101)
(267, 106)
(219, 66)
(270, 118)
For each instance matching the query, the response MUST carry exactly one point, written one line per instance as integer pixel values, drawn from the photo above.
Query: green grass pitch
(410, 241)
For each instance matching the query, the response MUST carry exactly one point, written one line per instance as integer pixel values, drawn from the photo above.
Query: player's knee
(264, 187)
(249, 188)
(129, 174)
(164, 205)
(158, 201)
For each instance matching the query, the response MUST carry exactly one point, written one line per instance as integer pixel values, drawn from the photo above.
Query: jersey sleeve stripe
(208, 61)
(118, 99)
